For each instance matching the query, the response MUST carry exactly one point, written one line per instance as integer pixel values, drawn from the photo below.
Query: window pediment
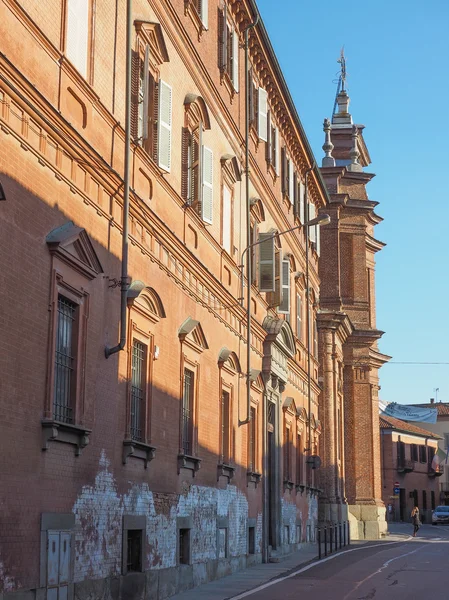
(197, 110)
(151, 34)
(257, 210)
(230, 167)
(72, 245)
(192, 334)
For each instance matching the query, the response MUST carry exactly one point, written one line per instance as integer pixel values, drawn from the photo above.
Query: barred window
(65, 361)
(187, 412)
(138, 390)
(225, 425)
(252, 441)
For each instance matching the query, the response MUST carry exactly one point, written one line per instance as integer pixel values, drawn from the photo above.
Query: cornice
(361, 176)
(377, 358)
(364, 337)
(335, 320)
(373, 244)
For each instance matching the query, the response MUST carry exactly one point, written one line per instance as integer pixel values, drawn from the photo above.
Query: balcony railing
(435, 471)
(405, 465)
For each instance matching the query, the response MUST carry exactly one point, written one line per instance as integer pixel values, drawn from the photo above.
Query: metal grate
(252, 441)
(187, 409)
(225, 426)
(137, 389)
(64, 361)
(271, 414)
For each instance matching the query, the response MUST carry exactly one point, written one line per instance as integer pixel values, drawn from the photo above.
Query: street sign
(393, 497)
(396, 484)
(396, 490)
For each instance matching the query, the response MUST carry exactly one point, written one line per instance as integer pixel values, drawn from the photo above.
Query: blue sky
(397, 63)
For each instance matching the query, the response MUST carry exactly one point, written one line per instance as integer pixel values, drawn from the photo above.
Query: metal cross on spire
(341, 76)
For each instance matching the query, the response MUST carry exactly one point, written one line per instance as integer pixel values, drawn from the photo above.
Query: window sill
(300, 487)
(253, 477)
(227, 82)
(138, 450)
(56, 431)
(288, 484)
(188, 462)
(225, 470)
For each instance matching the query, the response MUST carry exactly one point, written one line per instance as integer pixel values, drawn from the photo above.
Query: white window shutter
(64, 557)
(301, 202)
(227, 219)
(164, 126)
(277, 150)
(266, 262)
(78, 34)
(204, 10)
(145, 94)
(235, 60)
(269, 138)
(298, 316)
(262, 109)
(53, 558)
(318, 240)
(207, 194)
(312, 230)
(284, 306)
(291, 189)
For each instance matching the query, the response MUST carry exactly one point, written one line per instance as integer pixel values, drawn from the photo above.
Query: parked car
(440, 515)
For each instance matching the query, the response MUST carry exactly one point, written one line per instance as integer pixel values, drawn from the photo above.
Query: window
(202, 9)
(227, 220)
(134, 554)
(230, 174)
(401, 452)
(252, 431)
(315, 339)
(424, 500)
(430, 455)
(273, 151)
(187, 412)
(262, 114)
(266, 262)
(299, 460)
(78, 34)
(65, 361)
(198, 168)
(284, 306)
(432, 500)
(138, 390)
(287, 453)
(422, 454)
(229, 50)
(59, 549)
(288, 177)
(414, 452)
(225, 426)
(184, 546)
(251, 540)
(222, 542)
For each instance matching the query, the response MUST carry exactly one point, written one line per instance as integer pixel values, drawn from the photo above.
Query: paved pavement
(243, 581)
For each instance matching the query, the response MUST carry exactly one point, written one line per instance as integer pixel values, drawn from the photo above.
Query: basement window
(184, 546)
(134, 556)
(251, 540)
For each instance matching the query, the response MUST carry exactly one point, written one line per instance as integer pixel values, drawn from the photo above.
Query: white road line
(314, 564)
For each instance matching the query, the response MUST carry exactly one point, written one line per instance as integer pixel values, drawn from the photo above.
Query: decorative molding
(225, 470)
(55, 431)
(139, 450)
(253, 477)
(188, 462)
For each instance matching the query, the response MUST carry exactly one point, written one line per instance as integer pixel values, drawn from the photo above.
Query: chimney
(432, 401)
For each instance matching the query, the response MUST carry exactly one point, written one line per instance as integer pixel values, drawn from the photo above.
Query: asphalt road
(412, 569)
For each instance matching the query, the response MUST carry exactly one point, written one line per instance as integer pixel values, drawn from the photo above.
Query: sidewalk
(247, 579)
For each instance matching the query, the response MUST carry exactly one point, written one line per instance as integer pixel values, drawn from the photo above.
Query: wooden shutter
(301, 202)
(269, 138)
(312, 230)
(207, 196)
(266, 262)
(291, 182)
(227, 219)
(284, 171)
(78, 34)
(284, 306)
(298, 316)
(262, 109)
(252, 108)
(164, 126)
(275, 299)
(204, 13)
(295, 195)
(276, 150)
(224, 38)
(146, 92)
(136, 71)
(235, 60)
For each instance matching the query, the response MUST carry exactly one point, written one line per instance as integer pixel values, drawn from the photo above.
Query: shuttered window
(58, 564)
(276, 158)
(312, 230)
(235, 61)
(227, 236)
(291, 179)
(298, 316)
(207, 196)
(284, 306)
(229, 49)
(266, 263)
(77, 43)
(164, 126)
(262, 110)
(204, 12)
(301, 202)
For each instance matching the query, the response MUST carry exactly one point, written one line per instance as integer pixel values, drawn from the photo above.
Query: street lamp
(323, 219)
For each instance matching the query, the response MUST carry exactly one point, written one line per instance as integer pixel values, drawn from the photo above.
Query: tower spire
(342, 117)
(328, 146)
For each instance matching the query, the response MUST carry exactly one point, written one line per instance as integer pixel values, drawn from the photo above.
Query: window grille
(64, 361)
(187, 412)
(137, 390)
(252, 441)
(134, 556)
(225, 426)
(287, 452)
(299, 460)
(184, 546)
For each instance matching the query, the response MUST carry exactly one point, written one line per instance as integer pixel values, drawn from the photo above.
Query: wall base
(367, 522)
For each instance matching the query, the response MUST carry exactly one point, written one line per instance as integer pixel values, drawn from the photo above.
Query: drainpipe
(248, 230)
(306, 210)
(125, 280)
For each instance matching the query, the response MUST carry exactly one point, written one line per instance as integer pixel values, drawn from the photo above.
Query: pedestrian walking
(415, 520)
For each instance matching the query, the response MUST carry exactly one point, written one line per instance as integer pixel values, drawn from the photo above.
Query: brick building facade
(350, 358)
(144, 473)
(407, 452)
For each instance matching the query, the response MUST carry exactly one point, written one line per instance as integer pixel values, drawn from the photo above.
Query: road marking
(314, 564)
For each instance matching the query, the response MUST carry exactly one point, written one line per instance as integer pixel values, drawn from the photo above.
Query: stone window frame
(74, 265)
(145, 309)
(133, 522)
(251, 523)
(184, 523)
(60, 522)
(230, 175)
(229, 373)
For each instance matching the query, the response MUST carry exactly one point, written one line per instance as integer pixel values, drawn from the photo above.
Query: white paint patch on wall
(99, 513)
(289, 516)
(7, 583)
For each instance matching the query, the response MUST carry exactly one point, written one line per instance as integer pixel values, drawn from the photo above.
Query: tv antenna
(341, 86)
(436, 390)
